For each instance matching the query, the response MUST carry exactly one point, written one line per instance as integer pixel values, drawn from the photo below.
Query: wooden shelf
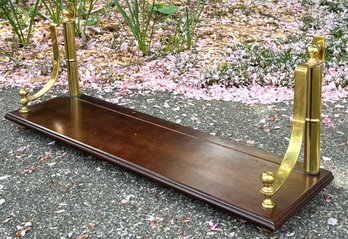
(219, 172)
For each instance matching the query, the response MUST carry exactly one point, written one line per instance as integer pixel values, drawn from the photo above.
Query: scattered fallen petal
(4, 177)
(328, 197)
(51, 143)
(28, 224)
(91, 225)
(21, 231)
(30, 169)
(60, 211)
(2, 201)
(1, 187)
(48, 155)
(23, 150)
(185, 220)
(263, 121)
(332, 221)
(151, 190)
(127, 199)
(7, 220)
(154, 221)
(232, 234)
(290, 234)
(213, 226)
(326, 158)
(327, 121)
(84, 236)
(339, 106)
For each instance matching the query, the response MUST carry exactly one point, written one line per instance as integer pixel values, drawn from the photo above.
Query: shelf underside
(222, 173)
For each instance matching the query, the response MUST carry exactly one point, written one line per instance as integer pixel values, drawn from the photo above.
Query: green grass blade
(7, 11)
(126, 18)
(18, 24)
(34, 13)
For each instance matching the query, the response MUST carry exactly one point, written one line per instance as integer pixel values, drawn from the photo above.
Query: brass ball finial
(69, 13)
(23, 93)
(267, 178)
(313, 53)
(24, 100)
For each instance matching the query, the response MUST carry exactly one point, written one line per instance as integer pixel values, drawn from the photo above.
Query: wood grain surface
(220, 172)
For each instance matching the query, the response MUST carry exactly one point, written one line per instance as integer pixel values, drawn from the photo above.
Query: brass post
(313, 113)
(70, 50)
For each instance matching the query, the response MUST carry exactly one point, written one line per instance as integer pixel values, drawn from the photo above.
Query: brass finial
(267, 178)
(313, 53)
(69, 13)
(24, 100)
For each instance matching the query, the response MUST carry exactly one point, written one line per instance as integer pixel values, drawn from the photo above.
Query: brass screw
(267, 178)
(24, 100)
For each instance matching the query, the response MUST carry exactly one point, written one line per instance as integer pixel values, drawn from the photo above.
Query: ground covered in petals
(242, 51)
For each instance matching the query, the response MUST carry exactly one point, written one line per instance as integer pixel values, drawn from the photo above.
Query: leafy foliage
(138, 16)
(192, 19)
(54, 9)
(18, 16)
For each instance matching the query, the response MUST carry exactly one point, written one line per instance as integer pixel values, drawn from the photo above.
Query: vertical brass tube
(313, 121)
(71, 61)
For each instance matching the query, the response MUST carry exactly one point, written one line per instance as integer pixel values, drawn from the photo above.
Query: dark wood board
(220, 172)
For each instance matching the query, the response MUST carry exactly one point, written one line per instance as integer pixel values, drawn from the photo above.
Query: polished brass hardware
(306, 123)
(70, 49)
(313, 115)
(24, 93)
(307, 106)
(69, 38)
(267, 178)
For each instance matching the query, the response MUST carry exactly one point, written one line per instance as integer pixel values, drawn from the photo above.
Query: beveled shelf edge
(304, 199)
(272, 225)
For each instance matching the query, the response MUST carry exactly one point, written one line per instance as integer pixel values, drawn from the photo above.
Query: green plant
(333, 6)
(184, 29)
(191, 21)
(175, 41)
(138, 16)
(12, 58)
(18, 18)
(84, 12)
(84, 17)
(166, 9)
(54, 9)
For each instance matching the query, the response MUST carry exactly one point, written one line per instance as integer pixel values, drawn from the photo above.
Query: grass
(20, 18)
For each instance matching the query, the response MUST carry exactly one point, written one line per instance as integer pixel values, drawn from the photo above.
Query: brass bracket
(308, 78)
(70, 50)
(24, 93)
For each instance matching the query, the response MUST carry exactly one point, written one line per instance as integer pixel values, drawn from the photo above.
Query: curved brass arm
(305, 75)
(24, 93)
(271, 183)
